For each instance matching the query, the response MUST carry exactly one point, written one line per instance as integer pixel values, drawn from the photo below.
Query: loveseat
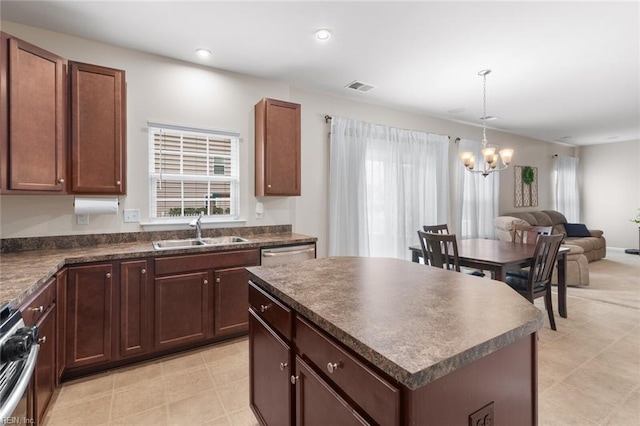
(582, 250)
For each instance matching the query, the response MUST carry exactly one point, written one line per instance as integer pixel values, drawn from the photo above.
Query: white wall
(610, 180)
(161, 89)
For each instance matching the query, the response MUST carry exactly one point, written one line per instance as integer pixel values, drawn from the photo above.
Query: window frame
(211, 177)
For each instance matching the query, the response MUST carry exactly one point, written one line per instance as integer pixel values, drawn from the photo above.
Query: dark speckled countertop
(22, 272)
(415, 323)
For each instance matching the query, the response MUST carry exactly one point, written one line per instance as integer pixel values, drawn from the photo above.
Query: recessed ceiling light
(323, 35)
(488, 118)
(203, 53)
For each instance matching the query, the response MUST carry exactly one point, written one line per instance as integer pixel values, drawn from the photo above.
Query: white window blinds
(193, 170)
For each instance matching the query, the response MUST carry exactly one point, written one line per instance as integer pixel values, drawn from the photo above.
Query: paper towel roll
(92, 205)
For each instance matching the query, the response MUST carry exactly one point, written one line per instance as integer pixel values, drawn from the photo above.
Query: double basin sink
(194, 242)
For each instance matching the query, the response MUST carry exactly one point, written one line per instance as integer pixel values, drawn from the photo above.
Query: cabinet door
(89, 315)
(231, 301)
(33, 133)
(181, 309)
(98, 129)
(45, 375)
(318, 404)
(269, 374)
(277, 145)
(134, 312)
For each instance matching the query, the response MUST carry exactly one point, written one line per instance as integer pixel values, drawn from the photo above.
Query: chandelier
(490, 163)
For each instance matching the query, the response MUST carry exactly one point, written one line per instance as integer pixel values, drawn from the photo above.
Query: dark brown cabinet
(135, 332)
(317, 403)
(98, 129)
(328, 384)
(181, 309)
(89, 326)
(270, 391)
(61, 321)
(277, 148)
(40, 310)
(33, 136)
(231, 296)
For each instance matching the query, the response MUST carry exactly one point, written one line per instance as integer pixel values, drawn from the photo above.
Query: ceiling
(561, 71)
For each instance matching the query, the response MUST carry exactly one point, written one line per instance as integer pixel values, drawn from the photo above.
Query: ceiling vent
(360, 86)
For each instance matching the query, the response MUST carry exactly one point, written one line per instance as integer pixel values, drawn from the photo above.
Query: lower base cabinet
(270, 391)
(45, 373)
(181, 309)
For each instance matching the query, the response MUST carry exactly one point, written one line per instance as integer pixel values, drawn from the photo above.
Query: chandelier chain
(484, 110)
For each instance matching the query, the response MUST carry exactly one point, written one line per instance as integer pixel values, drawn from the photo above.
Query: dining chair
(528, 234)
(441, 251)
(436, 229)
(537, 282)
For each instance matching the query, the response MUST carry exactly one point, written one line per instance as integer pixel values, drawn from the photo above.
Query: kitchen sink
(193, 242)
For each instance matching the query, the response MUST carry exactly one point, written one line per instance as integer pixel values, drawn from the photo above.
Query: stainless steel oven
(18, 355)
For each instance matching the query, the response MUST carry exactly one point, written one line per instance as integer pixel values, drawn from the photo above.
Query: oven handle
(267, 253)
(21, 386)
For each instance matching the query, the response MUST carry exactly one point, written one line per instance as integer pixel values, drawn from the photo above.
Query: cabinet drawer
(273, 312)
(200, 262)
(379, 399)
(37, 305)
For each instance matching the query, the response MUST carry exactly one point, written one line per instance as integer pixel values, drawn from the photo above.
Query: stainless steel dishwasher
(288, 254)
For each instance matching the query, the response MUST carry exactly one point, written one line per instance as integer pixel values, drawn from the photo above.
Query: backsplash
(9, 245)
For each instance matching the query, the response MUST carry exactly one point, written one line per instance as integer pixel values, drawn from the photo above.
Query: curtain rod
(327, 118)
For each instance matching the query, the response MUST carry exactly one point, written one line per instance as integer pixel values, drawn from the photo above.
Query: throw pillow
(576, 230)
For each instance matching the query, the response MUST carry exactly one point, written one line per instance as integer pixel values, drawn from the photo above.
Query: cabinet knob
(143, 271)
(108, 275)
(118, 183)
(205, 282)
(60, 180)
(283, 365)
(268, 186)
(218, 279)
(38, 309)
(42, 340)
(332, 366)
(264, 307)
(294, 379)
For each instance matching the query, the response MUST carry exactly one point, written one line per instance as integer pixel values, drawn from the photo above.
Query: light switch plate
(132, 215)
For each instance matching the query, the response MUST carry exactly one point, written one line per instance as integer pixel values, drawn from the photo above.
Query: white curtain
(566, 195)
(384, 184)
(477, 196)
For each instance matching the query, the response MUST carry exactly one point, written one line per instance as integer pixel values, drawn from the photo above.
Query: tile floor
(589, 374)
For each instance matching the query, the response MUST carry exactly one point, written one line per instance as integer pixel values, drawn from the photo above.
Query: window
(193, 171)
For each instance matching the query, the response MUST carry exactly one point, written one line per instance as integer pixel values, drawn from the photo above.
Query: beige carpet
(614, 279)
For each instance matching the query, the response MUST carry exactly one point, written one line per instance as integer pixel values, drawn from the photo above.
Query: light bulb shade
(466, 157)
(494, 163)
(506, 155)
(472, 162)
(488, 154)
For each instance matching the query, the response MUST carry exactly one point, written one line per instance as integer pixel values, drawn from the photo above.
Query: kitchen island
(385, 341)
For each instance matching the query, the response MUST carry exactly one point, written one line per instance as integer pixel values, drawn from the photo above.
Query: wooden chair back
(544, 259)
(440, 250)
(528, 234)
(436, 229)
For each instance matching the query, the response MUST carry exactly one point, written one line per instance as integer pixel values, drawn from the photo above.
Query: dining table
(499, 257)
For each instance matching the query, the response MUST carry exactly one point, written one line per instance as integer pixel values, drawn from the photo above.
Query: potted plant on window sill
(637, 221)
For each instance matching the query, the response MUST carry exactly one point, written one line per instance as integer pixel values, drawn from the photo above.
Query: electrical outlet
(82, 219)
(482, 417)
(131, 215)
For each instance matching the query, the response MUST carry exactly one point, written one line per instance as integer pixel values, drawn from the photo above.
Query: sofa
(583, 249)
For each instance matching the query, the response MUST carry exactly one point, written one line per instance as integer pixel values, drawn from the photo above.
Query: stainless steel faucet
(196, 223)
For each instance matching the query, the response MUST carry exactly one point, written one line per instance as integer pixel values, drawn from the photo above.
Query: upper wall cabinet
(277, 143)
(33, 132)
(98, 129)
